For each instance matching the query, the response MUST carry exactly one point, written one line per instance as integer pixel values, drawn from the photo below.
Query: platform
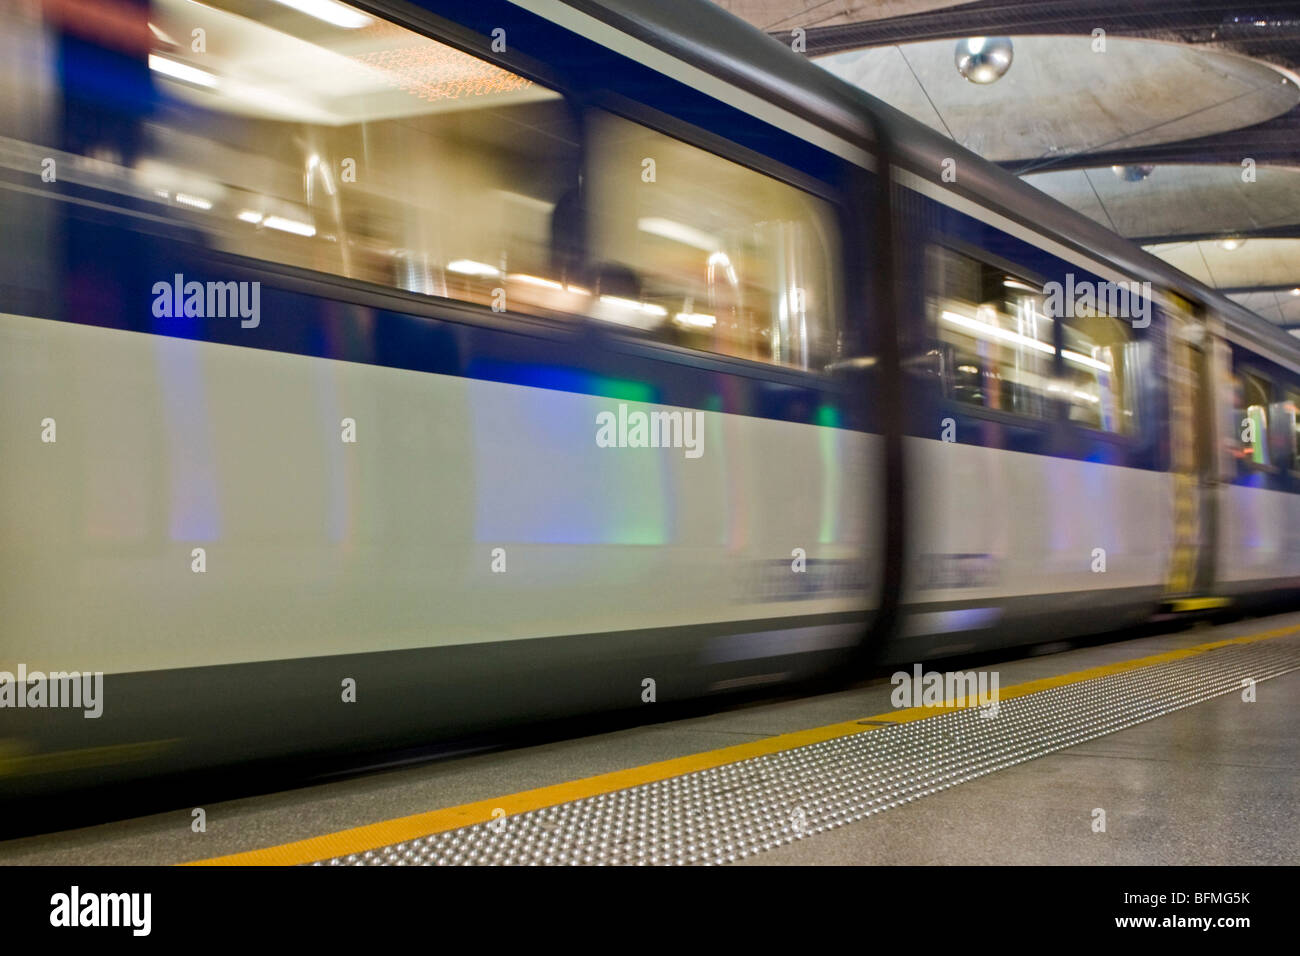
(1144, 751)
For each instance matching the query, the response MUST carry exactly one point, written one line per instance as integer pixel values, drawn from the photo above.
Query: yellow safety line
(1198, 604)
(401, 829)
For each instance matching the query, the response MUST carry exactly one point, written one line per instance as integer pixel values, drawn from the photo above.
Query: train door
(1191, 444)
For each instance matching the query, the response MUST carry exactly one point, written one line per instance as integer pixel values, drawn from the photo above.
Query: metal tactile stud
(728, 813)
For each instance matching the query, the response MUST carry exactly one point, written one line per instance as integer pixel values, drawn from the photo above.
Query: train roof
(709, 38)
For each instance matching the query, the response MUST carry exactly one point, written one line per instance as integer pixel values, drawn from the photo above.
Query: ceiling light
(197, 202)
(162, 36)
(1132, 174)
(535, 280)
(983, 60)
(469, 267)
(181, 71)
(633, 304)
(678, 232)
(289, 225)
(338, 14)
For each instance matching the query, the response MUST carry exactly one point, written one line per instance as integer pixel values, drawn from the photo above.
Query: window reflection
(996, 339)
(706, 252)
(362, 150)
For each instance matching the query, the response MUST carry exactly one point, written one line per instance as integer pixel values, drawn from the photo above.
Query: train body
(394, 373)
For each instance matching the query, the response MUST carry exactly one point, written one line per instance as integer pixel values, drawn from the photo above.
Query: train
(381, 373)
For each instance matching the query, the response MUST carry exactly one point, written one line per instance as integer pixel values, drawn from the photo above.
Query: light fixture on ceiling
(469, 267)
(1132, 174)
(1231, 243)
(338, 14)
(983, 60)
(294, 226)
(181, 71)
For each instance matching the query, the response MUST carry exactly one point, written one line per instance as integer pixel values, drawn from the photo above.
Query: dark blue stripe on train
(111, 268)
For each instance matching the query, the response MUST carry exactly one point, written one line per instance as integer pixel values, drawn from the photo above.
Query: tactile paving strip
(725, 813)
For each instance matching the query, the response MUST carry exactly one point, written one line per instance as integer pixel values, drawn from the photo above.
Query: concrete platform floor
(1216, 783)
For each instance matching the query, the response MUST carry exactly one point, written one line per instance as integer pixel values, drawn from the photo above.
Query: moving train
(377, 373)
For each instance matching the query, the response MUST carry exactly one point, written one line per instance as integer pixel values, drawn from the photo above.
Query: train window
(347, 144)
(1283, 422)
(707, 253)
(1100, 364)
(1253, 397)
(995, 337)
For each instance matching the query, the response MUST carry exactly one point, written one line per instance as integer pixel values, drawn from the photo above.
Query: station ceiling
(1149, 138)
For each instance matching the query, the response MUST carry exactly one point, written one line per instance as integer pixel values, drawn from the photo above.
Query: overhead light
(1011, 283)
(696, 319)
(535, 280)
(197, 202)
(162, 36)
(720, 260)
(990, 331)
(1133, 174)
(983, 60)
(1229, 243)
(678, 232)
(249, 215)
(289, 225)
(181, 71)
(1295, 291)
(632, 304)
(337, 14)
(1084, 360)
(469, 267)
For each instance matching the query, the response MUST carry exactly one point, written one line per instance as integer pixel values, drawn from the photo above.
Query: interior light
(469, 267)
(181, 71)
(535, 280)
(337, 14)
(197, 202)
(988, 330)
(633, 305)
(696, 319)
(162, 36)
(678, 232)
(1085, 361)
(289, 225)
(249, 215)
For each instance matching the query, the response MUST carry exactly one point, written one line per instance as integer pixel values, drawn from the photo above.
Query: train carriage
(378, 373)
